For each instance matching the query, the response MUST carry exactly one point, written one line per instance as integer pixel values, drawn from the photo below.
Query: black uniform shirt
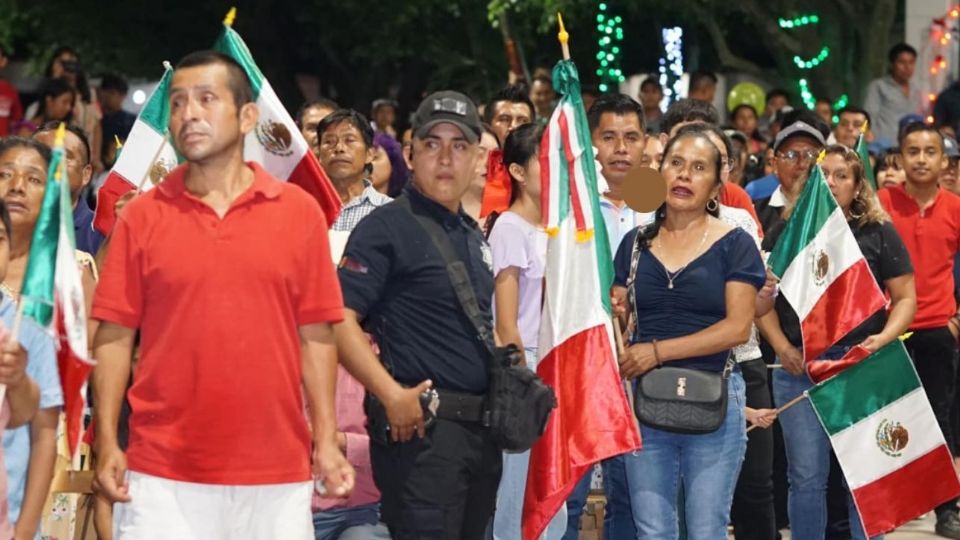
(395, 279)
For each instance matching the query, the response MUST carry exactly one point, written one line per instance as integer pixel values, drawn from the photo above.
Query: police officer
(438, 472)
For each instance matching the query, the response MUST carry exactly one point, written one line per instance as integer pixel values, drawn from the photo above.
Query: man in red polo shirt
(227, 274)
(928, 220)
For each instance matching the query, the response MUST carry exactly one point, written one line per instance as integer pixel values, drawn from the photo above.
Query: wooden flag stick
(786, 406)
(627, 387)
(153, 160)
(564, 37)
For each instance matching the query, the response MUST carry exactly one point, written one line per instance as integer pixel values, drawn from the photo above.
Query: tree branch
(727, 57)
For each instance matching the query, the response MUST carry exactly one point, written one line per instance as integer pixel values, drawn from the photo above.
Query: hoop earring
(853, 214)
(713, 205)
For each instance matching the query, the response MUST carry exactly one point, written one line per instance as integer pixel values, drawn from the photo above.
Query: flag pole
(786, 406)
(621, 349)
(146, 174)
(563, 37)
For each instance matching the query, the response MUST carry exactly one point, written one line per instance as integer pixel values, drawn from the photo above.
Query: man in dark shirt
(443, 483)
(116, 122)
(79, 172)
(946, 110)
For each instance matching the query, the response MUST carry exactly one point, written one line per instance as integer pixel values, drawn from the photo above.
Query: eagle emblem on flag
(275, 138)
(892, 438)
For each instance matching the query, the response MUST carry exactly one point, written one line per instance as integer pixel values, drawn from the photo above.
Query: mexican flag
(146, 158)
(52, 293)
(822, 271)
(886, 438)
(593, 420)
(276, 142)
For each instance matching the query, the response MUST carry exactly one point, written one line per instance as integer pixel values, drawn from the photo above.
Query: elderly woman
(694, 282)
(807, 446)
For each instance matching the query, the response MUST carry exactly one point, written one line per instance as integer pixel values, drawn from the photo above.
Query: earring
(713, 205)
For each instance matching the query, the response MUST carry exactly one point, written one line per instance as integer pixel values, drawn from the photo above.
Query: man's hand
(637, 360)
(769, 289)
(791, 359)
(954, 326)
(404, 412)
(111, 478)
(13, 363)
(333, 469)
(762, 418)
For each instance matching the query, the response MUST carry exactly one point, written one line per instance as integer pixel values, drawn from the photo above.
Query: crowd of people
(264, 374)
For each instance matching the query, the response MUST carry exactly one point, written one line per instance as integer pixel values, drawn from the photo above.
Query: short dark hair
(619, 104)
(237, 78)
(72, 128)
(853, 109)
(701, 78)
(113, 81)
(688, 110)
(916, 127)
(651, 81)
(899, 49)
(589, 89)
(733, 113)
(322, 103)
(8, 143)
(807, 117)
(514, 93)
(53, 88)
(824, 100)
(778, 92)
(349, 116)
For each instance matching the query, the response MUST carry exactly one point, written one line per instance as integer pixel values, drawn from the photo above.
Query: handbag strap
(456, 272)
(632, 291)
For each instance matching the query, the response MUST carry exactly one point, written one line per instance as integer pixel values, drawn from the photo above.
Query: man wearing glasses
(795, 150)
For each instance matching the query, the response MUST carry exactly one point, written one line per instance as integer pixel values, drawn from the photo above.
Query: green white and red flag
(593, 420)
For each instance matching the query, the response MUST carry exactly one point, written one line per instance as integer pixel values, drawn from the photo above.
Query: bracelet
(656, 354)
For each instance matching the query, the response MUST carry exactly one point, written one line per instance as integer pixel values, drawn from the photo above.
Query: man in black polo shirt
(443, 483)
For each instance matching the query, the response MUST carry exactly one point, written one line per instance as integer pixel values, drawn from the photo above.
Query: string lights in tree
(608, 54)
(671, 64)
(943, 32)
(811, 63)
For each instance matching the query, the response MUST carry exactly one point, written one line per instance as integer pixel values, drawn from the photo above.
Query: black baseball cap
(450, 107)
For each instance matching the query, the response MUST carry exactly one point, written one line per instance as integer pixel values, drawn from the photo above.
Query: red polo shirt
(216, 395)
(932, 237)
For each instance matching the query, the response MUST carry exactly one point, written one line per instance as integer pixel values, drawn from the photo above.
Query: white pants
(163, 509)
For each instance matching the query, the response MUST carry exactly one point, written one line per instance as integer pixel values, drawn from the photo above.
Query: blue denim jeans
(808, 458)
(617, 518)
(707, 465)
(358, 522)
(513, 484)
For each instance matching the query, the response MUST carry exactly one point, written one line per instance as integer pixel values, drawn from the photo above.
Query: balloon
(747, 93)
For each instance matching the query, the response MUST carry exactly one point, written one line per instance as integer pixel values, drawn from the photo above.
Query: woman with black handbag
(693, 283)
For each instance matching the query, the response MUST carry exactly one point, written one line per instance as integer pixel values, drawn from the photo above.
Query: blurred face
(620, 143)
(528, 176)
(542, 96)
(745, 121)
(725, 164)
(60, 64)
(903, 67)
(652, 153)
(59, 107)
(4, 252)
(308, 125)
(443, 164)
(23, 181)
(769, 162)
(824, 111)
(690, 172)
(344, 154)
(774, 104)
(508, 116)
(739, 165)
(386, 116)
(793, 159)
(380, 176)
(111, 100)
(487, 143)
(650, 97)
(923, 157)
(843, 184)
(79, 170)
(948, 176)
(204, 119)
(849, 127)
(893, 175)
(706, 92)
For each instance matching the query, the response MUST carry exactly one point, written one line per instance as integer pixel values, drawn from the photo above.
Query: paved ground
(919, 529)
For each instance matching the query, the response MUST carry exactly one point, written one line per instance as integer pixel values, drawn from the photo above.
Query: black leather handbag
(677, 399)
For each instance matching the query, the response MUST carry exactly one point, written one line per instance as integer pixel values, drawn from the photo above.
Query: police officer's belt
(460, 407)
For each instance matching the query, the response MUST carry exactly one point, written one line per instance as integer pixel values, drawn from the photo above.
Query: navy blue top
(697, 299)
(88, 239)
(396, 280)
